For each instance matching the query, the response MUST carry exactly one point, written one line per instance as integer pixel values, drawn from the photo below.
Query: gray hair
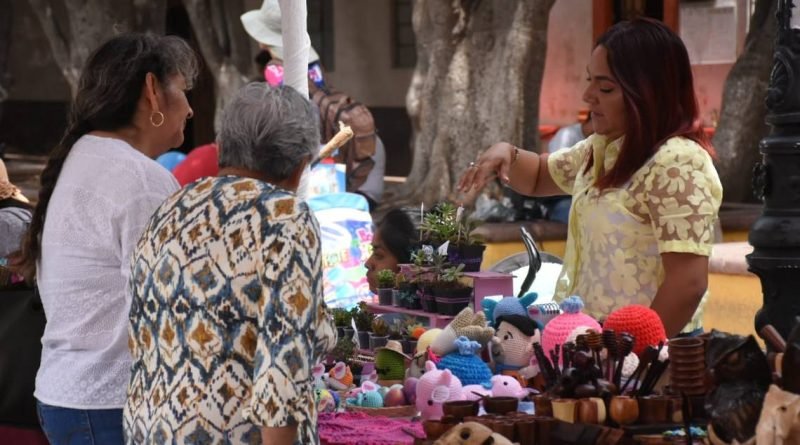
(269, 130)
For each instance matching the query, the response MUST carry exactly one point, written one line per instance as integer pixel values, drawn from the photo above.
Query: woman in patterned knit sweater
(645, 194)
(228, 318)
(98, 190)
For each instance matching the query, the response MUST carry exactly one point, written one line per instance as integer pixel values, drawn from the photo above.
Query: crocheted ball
(640, 321)
(561, 326)
(470, 369)
(390, 365)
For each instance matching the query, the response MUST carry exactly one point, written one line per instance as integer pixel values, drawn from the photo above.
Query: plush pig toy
(506, 386)
(434, 388)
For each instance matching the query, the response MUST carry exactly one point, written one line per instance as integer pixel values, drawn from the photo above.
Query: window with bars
(320, 30)
(404, 42)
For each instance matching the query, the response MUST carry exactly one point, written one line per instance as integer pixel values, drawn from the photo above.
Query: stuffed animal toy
(512, 348)
(571, 322)
(434, 388)
(368, 373)
(423, 353)
(326, 402)
(466, 364)
(320, 376)
(506, 386)
(472, 433)
(640, 321)
(390, 361)
(340, 378)
(368, 397)
(507, 306)
(466, 323)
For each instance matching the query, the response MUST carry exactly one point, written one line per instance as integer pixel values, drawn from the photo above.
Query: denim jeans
(67, 426)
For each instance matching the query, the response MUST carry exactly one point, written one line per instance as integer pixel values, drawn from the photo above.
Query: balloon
(171, 159)
(199, 163)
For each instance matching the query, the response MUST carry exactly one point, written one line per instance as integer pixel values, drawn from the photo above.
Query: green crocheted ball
(390, 365)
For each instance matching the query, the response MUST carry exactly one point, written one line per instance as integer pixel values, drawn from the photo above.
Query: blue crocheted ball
(371, 399)
(469, 369)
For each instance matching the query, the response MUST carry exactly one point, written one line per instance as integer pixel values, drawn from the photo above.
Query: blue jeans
(67, 426)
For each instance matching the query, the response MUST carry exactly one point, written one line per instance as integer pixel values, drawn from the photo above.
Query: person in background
(228, 316)
(98, 190)
(15, 216)
(565, 137)
(645, 192)
(392, 243)
(364, 175)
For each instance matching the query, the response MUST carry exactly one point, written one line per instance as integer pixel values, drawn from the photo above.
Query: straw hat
(7, 189)
(394, 346)
(264, 25)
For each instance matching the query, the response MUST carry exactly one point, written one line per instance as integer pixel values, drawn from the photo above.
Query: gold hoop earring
(160, 115)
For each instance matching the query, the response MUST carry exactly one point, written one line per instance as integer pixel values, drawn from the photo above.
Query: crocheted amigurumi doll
(512, 348)
(434, 388)
(506, 386)
(340, 378)
(326, 403)
(640, 321)
(507, 306)
(466, 364)
(390, 362)
(567, 324)
(422, 354)
(467, 323)
(369, 397)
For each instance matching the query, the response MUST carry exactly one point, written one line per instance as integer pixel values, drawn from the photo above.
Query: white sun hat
(264, 26)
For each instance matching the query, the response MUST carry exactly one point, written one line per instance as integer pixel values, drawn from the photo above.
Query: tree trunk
(224, 44)
(75, 28)
(741, 124)
(477, 81)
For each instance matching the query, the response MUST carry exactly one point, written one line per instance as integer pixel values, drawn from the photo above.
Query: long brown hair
(651, 65)
(108, 92)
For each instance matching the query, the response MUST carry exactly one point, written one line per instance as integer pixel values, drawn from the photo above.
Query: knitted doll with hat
(466, 364)
(340, 378)
(390, 362)
(567, 325)
(434, 388)
(512, 348)
(640, 321)
(467, 323)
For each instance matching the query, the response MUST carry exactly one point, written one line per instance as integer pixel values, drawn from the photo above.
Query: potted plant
(451, 294)
(344, 351)
(363, 320)
(385, 285)
(448, 224)
(342, 318)
(380, 334)
(413, 331)
(397, 298)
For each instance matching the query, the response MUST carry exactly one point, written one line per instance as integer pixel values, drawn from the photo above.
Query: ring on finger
(472, 165)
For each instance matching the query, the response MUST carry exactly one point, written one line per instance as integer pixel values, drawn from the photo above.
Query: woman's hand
(494, 162)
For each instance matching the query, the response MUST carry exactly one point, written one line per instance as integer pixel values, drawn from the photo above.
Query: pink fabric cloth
(363, 429)
(20, 436)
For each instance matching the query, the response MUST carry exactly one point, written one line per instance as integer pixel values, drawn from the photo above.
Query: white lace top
(103, 199)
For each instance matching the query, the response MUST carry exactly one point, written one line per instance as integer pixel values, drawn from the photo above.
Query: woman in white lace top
(98, 190)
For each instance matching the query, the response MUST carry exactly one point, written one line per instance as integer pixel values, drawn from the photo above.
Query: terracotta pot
(542, 406)
(624, 410)
(591, 410)
(565, 410)
(461, 408)
(655, 409)
(500, 405)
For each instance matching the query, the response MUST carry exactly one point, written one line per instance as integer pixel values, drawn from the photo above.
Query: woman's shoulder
(678, 149)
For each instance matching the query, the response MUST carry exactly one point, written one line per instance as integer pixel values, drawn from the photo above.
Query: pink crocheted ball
(640, 321)
(558, 329)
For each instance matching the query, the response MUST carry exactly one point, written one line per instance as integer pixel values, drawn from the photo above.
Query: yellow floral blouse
(616, 236)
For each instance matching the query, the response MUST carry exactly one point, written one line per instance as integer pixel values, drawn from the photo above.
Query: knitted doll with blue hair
(466, 364)
(507, 306)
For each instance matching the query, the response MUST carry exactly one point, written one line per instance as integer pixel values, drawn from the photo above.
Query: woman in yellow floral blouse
(645, 191)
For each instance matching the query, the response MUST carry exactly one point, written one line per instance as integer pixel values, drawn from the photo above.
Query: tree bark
(477, 81)
(741, 123)
(75, 28)
(224, 44)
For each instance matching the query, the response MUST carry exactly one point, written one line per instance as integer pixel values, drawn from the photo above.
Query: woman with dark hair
(391, 245)
(644, 188)
(98, 190)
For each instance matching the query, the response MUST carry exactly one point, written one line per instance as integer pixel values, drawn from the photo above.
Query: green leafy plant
(362, 317)
(385, 279)
(452, 274)
(380, 328)
(344, 351)
(399, 280)
(341, 317)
